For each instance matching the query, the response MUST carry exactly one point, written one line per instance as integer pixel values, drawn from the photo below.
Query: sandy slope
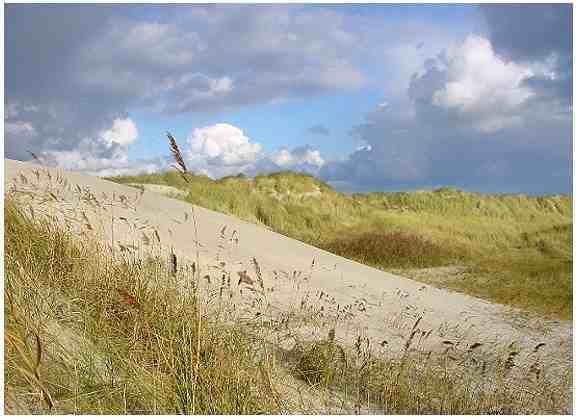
(376, 304)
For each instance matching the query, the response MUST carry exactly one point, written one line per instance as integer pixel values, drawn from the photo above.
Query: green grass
(519, 247)
(86, 334)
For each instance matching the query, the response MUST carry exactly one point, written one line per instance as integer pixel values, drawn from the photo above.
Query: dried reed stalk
(35, 157)
(180, 166)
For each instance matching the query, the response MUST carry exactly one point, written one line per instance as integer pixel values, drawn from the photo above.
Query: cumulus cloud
(477, 79)
(224, 149)
(222, 145)
(471, 84)
(80, 161)
(304, 159)
(123, 132)
(105, 154)
(474, 121)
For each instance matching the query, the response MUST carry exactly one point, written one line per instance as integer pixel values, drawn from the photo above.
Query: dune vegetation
(89, 334)
(510, 249)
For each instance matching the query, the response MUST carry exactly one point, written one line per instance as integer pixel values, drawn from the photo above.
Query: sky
(365, 97)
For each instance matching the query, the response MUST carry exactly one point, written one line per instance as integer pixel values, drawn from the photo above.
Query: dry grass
(145, 349)
(178, 158)
(87, 334)
(394, 249)
(424, 382)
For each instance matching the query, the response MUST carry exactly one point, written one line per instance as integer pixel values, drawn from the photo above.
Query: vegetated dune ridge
(381, 306)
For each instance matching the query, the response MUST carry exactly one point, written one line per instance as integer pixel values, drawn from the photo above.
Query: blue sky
(366, 97)
(276, 125)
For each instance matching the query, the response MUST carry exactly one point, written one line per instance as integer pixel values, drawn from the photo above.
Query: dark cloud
(73, 70)
(405, 153)
(529, 31)
(42, 42)
(318, 129)
(475, 121)
(535, 32)
(486, 115)
(222, 56)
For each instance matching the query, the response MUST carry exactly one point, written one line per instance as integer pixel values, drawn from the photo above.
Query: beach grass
(89, 333)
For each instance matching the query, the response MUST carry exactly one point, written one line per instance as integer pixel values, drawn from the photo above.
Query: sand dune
(379, 305)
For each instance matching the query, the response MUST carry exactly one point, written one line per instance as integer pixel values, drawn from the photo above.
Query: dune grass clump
(321, 363)
(394, 249)
(417, 382)
(88, 335)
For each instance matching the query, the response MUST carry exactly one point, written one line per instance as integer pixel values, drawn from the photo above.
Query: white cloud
(478, 79)
(364, 147)
(469, 84)
(123, 132)
(298, 157)
(78, 161)
(103, 155)
(223, 149)
(222, 144)
(282, 158)
(480, 84)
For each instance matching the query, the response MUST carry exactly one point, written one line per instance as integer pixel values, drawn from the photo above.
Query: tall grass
(88, 334)
(110, 339)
